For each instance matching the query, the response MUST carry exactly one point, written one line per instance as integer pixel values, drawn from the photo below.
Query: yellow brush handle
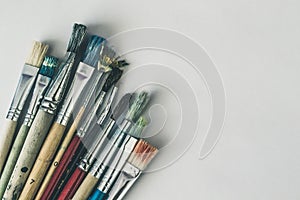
(86, 188)
(6, 141)
(43, 161)
(60, 153)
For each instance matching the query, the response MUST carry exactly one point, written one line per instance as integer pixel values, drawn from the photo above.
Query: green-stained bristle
(92, 52)
(48, 66)
(77, 36)
(138, 127)
(107, 56)
(119, 64)
(112, 78)
(138, 106)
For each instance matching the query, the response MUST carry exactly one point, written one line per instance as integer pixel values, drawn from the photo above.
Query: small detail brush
(43, 80)
(25, 84)
(141, 156)
(114, 154)
(44, 117)
(81, 171)
(54, 137)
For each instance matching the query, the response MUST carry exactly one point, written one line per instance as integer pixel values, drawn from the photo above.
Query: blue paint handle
(98, 195)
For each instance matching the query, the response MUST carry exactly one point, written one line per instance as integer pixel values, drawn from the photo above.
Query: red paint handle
(62, 166)
(72, 184)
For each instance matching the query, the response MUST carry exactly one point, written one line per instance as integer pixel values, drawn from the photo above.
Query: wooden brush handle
(6, 141)
(29, 152)
(59, 156)
(86, 188)
(13, 157)
(43, 161)
(62, 166)
(72, 185)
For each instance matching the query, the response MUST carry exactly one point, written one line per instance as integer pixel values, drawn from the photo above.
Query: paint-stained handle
(29, 152)
(98, 195)
(6, 141)
(13, 157)
(59, 155)
(86, 188)
(43, 161)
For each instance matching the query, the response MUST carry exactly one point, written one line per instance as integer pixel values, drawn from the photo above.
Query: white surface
(255, 45)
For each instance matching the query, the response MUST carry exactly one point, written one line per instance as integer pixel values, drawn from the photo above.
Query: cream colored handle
(29, 152)
(86, 188)
(43, 161)
(6, 141)
(60, 153)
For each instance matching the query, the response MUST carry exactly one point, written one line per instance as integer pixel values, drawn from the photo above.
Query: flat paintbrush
(80, 172)
(43, 81)
(44, 117)
(29, 72)
(107, 148)
(113, 163)
(82, 76)
(139, 159)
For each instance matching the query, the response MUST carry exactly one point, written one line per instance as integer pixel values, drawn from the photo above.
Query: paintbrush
(113, 162)
(44, 117)
(82, 76)
(108, 148)
(68, 165)
(22, 91)
(141, 156)
(106, 58)
(80, 172)
(43, 80)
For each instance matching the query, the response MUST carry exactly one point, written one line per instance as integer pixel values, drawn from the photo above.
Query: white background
(255, 45)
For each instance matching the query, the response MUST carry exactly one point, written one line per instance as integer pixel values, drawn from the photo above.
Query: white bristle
(37, 55)
(142, 154)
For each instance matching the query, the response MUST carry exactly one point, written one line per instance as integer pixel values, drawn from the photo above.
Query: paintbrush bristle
(37, 54)
(112, 78)
(77, 36)
(138, 127)
(138, 106)
(48, 67)
(142, 154)
(107, 56)
(92, 52)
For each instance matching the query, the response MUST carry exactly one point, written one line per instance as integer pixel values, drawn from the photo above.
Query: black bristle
(77, 36)
(113, 77)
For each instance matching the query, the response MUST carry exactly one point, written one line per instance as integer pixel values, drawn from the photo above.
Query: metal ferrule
(83, 74)
(107, 106)
(40, 88)
(104, 148)
(91, 156)
(113, 164)
(125, 180)
(23, 89)
(91, 116)
(58, 87)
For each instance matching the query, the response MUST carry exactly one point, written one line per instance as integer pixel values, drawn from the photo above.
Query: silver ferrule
(125, 180)
(107, 106)
(40, 88)
(58, 87)
(91, 116)
(91, 156)
(23, 89)
(113, 164)
(83, 74)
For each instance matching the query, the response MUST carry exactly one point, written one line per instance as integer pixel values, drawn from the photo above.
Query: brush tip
(138, 127)
(49, 65)
(107, 55)
(37, 54)
(91, 56)
(78, 33)
(142, 154)
(137, 107)
(112, 78)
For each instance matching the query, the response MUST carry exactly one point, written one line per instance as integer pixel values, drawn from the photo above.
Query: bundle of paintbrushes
(64, 137)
